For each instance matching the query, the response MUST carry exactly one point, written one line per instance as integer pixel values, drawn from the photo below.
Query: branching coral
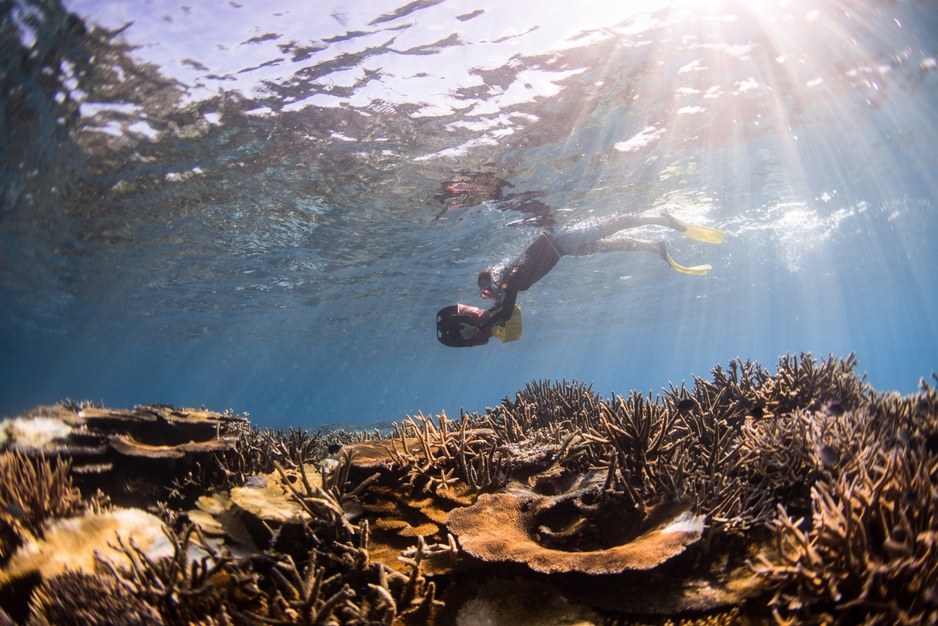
(771, 430)
(257, 452)
(469, 451)
(32, 491)
(869, 551)
(347, 592)
(196, 581)
(328, 506)
(559, 405)
(301, 598)
(799, 383)
(80, 599)
(736, 446)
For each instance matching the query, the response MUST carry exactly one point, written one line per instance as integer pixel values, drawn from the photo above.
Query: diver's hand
(468, 331)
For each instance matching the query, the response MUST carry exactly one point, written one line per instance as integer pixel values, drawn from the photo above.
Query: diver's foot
(674, 223)
(696, 270)
(691, 231)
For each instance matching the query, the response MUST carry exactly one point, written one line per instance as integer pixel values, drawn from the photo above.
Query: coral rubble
(803, 496)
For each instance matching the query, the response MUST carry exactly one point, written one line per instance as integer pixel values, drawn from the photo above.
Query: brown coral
(509, 528)
(155, 452)
(32, 491)
(868, 551)
(191, 580)
(78, 543)
(80, 599)
(634, 505)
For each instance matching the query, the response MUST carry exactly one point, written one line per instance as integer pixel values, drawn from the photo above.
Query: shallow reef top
(801, 495)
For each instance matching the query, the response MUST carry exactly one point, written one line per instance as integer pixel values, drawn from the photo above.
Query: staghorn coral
(260, 450)
(32, 491)
(347, 591)
(799, 383)
(195, 581)
(300, 599)
(558, 407)
(707, 446)
(331, 504)
(738, 447)
(80, 599)
(764, 455)
(868, 552)
(471, 452)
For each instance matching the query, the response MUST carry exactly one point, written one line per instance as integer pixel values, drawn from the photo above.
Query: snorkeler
(502, 285)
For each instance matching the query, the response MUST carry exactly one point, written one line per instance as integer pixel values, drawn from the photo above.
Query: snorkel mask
(492, 293)
(488, 286)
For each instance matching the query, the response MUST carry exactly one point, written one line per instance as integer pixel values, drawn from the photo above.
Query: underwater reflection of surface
(275, 181)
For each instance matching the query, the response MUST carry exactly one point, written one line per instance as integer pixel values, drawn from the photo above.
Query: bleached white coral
(32, 432)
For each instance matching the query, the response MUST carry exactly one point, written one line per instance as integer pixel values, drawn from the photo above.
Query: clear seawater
(242, 204)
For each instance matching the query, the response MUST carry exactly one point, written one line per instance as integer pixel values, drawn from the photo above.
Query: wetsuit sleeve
(508, 307)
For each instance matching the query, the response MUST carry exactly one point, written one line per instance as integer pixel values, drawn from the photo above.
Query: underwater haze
(261, 206)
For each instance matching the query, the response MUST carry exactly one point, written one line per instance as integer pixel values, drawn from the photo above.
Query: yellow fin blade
(698, 233)
(696, 270)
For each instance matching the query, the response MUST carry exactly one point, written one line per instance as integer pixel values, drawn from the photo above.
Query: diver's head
(489, 287)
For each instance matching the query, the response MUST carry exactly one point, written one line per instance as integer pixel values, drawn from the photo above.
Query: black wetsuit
(533, 264)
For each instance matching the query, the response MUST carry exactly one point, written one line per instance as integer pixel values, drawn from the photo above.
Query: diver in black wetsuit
(502, 285)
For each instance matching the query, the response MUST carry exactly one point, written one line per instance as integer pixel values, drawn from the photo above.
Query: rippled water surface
(247, 205)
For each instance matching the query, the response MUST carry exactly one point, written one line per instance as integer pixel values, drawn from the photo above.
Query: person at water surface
(501, 285)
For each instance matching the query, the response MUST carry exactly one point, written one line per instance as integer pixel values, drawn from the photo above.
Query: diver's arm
(508, 307)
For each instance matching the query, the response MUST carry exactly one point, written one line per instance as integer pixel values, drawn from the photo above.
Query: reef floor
(800, 496)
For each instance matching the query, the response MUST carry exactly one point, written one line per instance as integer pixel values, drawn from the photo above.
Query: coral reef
(80, 543)
(80, 599)
(525, 535)
(120, 451)
(800, 496)
(32, 491)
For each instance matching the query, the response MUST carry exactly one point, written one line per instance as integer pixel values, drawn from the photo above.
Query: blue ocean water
(246, 205)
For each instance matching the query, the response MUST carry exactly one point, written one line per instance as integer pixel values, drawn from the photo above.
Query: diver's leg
(624, 222)
(625, 244)
(590, 236)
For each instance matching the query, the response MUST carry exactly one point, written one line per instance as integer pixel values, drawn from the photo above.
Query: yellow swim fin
(511, 330)
(699, 233)
(696, 270)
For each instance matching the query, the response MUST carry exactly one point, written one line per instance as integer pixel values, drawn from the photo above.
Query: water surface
(244, 205)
